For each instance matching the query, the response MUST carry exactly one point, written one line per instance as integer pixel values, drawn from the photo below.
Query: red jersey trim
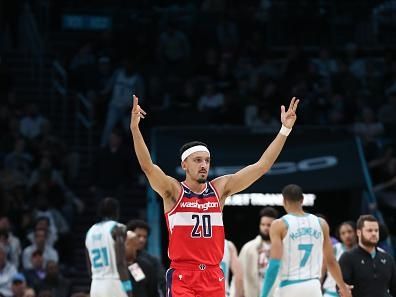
(177, 202)
(216, 193)
(206, 186)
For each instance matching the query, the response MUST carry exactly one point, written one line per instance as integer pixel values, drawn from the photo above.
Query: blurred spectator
(383, 171)
(57, 223)
(386, 113)
(185, 99)
(29, 292)
(12, 243)
(99, 87)
(296, 65)
(44, 223)
(7, 272)
(211, 102)
(262, 120)
(82, 67)
(112, 168)
(14, 195)
(127, 81)
(18, 286)
(344, 82)
(48, 181)
(52, 146)
(19, 160)
(49, 253)
(83, 57)
(142, 230)
(336, 110)
(4, 129)
(224, 78)
(35, 275)
(55, 282)
(357, 65)
(254, 255)
(5, 78)
(207, 64)
(173, 48)
(32, 122)
(367, 127)
(227, 32)
(326, 66)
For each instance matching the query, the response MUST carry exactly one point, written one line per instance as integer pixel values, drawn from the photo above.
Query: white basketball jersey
(225, 265)
(302, 249)
(100, 245)
(330, 283)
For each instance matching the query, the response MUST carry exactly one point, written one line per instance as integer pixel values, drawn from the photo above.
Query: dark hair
(268, 212)
(365, 218)
(133, 224)
(37, 253)
(349, 223)
(109, 208)
(42, 218)
(187, 145)
(293, 193)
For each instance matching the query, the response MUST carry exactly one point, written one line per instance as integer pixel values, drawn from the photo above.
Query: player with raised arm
(299, 241)
(193, 208)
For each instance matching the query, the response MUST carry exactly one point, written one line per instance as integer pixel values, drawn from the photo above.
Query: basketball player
(347, 234)
(105, 251)
(298, 243)
(193, 208)
(231, 262)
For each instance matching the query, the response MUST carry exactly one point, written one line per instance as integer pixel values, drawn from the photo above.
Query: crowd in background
(192, 64)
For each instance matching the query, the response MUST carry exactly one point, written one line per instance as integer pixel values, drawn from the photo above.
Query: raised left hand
(289, 117)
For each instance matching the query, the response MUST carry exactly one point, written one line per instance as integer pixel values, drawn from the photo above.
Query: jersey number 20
(205, 224)
(307, 248)
(100, 257)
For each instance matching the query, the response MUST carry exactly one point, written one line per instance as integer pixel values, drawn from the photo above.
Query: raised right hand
(136, 113)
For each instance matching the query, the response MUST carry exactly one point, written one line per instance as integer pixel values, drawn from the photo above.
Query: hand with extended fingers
(288, 118)
(137, 113)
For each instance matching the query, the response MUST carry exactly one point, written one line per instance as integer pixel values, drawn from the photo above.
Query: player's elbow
(147, 167)
(263, 167)
(331, 262)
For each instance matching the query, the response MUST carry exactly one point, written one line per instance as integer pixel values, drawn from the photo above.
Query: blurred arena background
(214, 70)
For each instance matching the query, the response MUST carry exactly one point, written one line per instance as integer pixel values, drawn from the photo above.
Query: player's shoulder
(117, 228)
(93, 227)
(280, 224)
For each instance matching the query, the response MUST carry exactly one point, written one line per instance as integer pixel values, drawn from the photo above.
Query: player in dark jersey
(193, 207)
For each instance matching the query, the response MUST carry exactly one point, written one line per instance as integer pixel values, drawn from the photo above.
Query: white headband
(194, 149)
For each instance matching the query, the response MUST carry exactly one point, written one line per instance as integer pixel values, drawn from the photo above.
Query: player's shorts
(107, 288)
(306, 288)
(195, 281)
(328, 293)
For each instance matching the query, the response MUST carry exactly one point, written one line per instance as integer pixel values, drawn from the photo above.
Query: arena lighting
(262, 199)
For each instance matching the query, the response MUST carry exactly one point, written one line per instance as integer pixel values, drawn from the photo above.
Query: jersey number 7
(307, 248)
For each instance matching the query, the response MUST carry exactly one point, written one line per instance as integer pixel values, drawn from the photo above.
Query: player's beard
(201, 180)
(264, 236)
